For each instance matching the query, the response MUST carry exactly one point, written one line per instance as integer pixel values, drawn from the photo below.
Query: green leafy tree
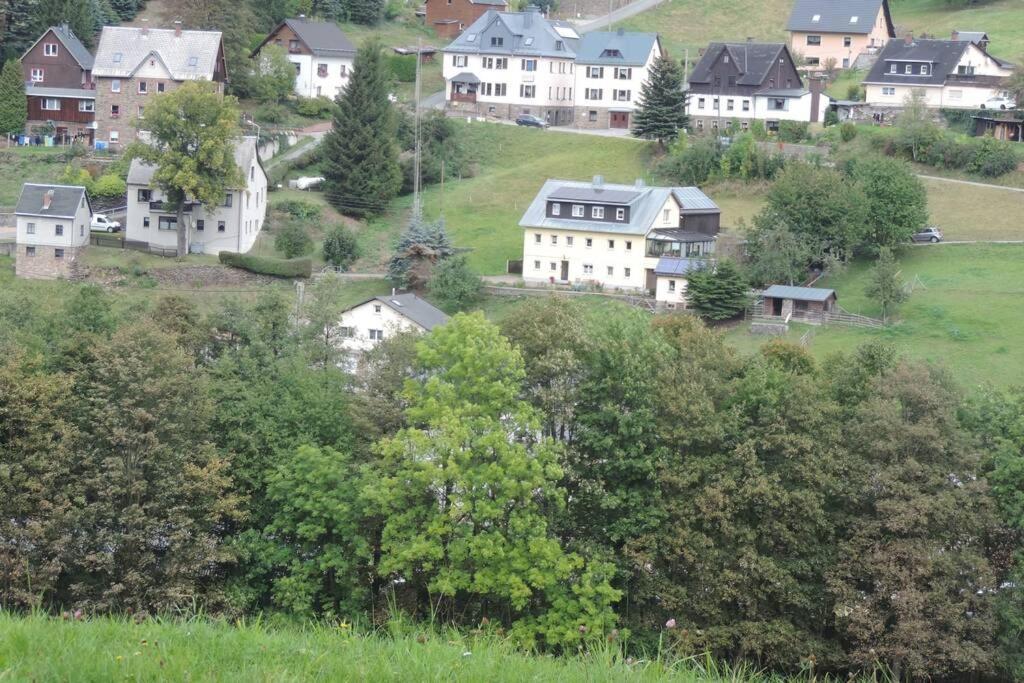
(1015, 86)
(915, 130)
(292, 239)
(109, 185)
(897, 202)
(193, 131)
(273, 77)
(239, 27)
(454, 284)
(718, 293)
(464, 494)
(885, 285)
(362, 168)
(694, 162)
(340, 248)
(777, 255)
(13, 101)
(661, 109)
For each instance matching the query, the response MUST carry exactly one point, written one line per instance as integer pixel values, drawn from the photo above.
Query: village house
(449, 18)
(59, 86)
(232, 226)
(52, 230)
(322, 55)
(367, 324)
(134, 63)
(748, 81)
(627, 237)
(835, 33)
(949, 73)
(511, 63)
(611, 68)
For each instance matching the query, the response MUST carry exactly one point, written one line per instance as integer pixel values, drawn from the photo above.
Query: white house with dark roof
(323, 56)
(611, 68)
(949, 73)
(52, 229)
(510, 63)
(837, 32)
(628, 237)
(368, 323)
(232, 226)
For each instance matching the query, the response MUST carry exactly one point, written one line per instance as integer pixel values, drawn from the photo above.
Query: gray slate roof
(798, 293)
(71, 43)
(670, 265)
(971, 36)
(70, 93)
(141, 173)
(64, 203)
(527, 34)
(753, 59)
(323, 38)
(941, 54)
(834, 16)
(632, 48)
(421, 312)
(693, 200)
(783, 92)
(122, 49)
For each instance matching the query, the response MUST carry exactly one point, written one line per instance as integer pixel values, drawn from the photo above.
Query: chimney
(177, 28)
(598, 181)
(145, 27)
(47, 199)
(955, 37)
(909, 38)
(816, 86)
(528, 16)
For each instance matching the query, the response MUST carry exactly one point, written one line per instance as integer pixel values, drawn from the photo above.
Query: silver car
(929, 234)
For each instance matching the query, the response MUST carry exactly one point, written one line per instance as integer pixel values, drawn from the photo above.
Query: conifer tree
(362, 170)
(718, 294)
(13, 105)
(661, 111)
(421, 246)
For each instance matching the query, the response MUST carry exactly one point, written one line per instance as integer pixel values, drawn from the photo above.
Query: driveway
(622, 133)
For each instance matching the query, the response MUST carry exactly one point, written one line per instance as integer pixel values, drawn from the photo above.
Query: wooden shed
(786, 301)
(1008, 127)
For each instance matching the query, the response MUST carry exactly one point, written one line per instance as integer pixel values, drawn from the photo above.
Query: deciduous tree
(885, 285)
(897, 202)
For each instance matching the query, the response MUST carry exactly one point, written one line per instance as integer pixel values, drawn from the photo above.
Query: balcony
(463, 97)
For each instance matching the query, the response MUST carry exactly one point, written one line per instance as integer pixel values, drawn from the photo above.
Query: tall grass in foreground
(42, 648)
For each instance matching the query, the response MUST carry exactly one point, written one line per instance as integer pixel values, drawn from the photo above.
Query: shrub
(315, 107)
(694, 164)
(300, 267)
(454, 285)
(992, 157)
(854, 92)
(293, 240)
(831, 118)
(271, 113)
(793, 131)
(76, 176)
(847, 131)
(340, 248)
(950, 152)
(402, 67)
(109, 186)
(299, 208)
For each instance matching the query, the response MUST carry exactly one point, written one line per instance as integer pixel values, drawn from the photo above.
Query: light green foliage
(340, 248)
(885, 285)
(915, 130)
(793, 131)
(292, 239)
(273, 77)
(13, 102)
(777, 256)
(75, 175)
(720, 293)
(109, 185)
(315, 107)
(661, 111)
(454, 285)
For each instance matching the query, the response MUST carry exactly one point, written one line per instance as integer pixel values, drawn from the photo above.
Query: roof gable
(522, 33)
(411, 307)
(323, 38)
(71, 43)
(838, 16)
(753, 61)
(188, 55)
(941, 55)
(612, 48)
(64, 200)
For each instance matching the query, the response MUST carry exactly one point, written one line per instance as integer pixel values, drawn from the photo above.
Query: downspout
(238, 229)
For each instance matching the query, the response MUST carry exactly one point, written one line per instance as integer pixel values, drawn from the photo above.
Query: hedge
(296, 267)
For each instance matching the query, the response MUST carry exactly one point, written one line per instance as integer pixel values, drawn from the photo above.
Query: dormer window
(611, 53)
(924, 69)
(892, 68)
(577, 211)
(497, 41)
(726, 59)
(597, 212)
(908, 69)
(556, 209)
(559, 45)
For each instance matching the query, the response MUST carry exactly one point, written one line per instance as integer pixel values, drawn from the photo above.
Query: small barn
(1009, 127)
(798, 302)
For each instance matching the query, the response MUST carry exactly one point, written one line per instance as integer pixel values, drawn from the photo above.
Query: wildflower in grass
(671, 623)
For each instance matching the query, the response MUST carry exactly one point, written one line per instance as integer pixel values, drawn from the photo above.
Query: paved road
(434, 101)
(630, 10)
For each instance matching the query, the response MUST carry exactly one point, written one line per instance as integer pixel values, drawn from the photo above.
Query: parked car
(999, 102)
(101, 223)
(928, 234)
(530, 120)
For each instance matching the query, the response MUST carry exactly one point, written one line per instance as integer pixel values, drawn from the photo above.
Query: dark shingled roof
(71, 43)
(941, 54)
(837, 16)
(323, 38)
(594, 194)
(63, 204)
(756, 58)
(421, 312)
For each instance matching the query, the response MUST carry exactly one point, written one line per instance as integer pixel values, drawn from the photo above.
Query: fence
(838, 316)
(112, 241)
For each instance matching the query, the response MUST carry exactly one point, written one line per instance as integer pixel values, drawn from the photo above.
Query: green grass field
(27, 164)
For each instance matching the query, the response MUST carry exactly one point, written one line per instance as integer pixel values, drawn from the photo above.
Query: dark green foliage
(993, 158)
(421, 246)
(661, 113)
(831, 118)
(719, 293)
(848, 131)
(402, 68)
(453, 285)
(270, 113)
(794, 131)
(13, 102)
(340, 248)
(298, 267)
(361, 157)
(694, 163)
(704, 158)
(885, 285)
(314, 107)
(273, 76)
(300, 209)
(439, 144)
(897, 201)
(292, 239)
(367, 12)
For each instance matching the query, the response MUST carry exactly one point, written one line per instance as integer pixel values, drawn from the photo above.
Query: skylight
(117, 57)
(192, 61)
(816, 18)
(853, 19)
(471, 38)
(529, 41)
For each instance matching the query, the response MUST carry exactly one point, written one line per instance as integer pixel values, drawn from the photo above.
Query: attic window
(853, 19)
(558, 45)
(497, 41)
(611, 53)
(118, 57)
(471, 38)
(192, 61)
(529, 41)
(816, 18)
(726, 59)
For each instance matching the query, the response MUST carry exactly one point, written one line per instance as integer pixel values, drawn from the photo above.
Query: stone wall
(44, 265)
(583, 117)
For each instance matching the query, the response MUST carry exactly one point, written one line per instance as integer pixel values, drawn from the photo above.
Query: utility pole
(416, 207)
(442, 187)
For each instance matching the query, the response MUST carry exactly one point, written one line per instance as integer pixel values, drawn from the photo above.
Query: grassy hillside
(43, 649)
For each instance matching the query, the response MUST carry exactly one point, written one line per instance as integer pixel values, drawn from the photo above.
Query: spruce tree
(661, 111)
(13, 103)
(362, 168)
(719, 294)
(421, 246)
(367, 12)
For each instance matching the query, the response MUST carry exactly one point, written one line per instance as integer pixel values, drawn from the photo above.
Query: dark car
(929, 234)
(529, 120)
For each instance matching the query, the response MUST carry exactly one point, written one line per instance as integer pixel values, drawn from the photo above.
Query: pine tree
(421, 246)
(362, 171)
(661, 111)
(367, 12)
(718, 294)
(13, 103)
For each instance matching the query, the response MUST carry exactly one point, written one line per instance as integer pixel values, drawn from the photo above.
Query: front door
(619, 119)
(652, 281)
(776, 306)
(565, 271)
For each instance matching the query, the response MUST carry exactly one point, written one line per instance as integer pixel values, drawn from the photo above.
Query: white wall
(554, 80)
(607, 83)
(662, 292)
(362, 319)
(308, 83)
(954, 94)
(798, 108)
(76, 231)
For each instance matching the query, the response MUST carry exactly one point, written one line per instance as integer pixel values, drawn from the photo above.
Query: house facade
(52, 230)
(322, 55)
(611, 68)
(751, 81)
(449, 18)
(627, 237)
(134, 63)
(231, 226)
(369, 323)
(835, 33)
(949, 73)
(59, 86)
(511, 63)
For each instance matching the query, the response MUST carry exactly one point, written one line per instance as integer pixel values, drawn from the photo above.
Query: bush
(76, 176)
(315, 107)
(848, 131)
(694, 164)
(299, 208)
(271, 113)
(293, 240)
(300, 267)
(794, 131)
(454, 285)
(109, 186)
(950, 151)
(402, 67)
(854, 92)
(992, 157)
(340, 248)
(831, 118)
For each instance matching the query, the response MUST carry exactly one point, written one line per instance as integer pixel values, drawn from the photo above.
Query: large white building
(322, 55)
(52, 229)
(611, 68)
(369, 323)
(626, 237)
(232, 226)
(949, 73)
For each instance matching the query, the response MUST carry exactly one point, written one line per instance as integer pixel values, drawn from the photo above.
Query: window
(671, 285)
(51, 104)
(611, 271)
(58, 252)
(888, 91)
(118, 56)
(554, 240)
(853, 19)
(629, 245)
(527, 91)
(220, 226)
(30, 229)
(81, 230)
(597, 212)
(115, 111)
(559, 45)
(86, 105)
(812, 61)
(167, 223)
(620, 95)
(665, 213)
(626, 272)
(115, 85)
(298, 68)
(588, 269)
(536, 238)
(193, 61)
(592, 115)
(497, 41)
(595, 72)
(228, 199)
(590, 242)
(145, 195)
(814, 40)
(501, 63)
(816, 18)
(592, 94)
(777, 104)
(924, 69)
(529, 41)
(37, 75)
(321, 70)
(500, 89)
(200, 225)
(376, 335)
(623, 73)
(115, 136)
(347, 332)
(700, 103)
(30, 251)
(963, 70)
(847, 41)
(536, 265)
(746, 105)
(729, 104)
(908, 69)
(611, 244)
(471, 38)
(846, 62)
(553, 265)
(714, 104)
(50, 49)
(143, 87)
(892, 68)
(700, 124)
(58, 230)
(577, 211)
(142, 112)
(620, 214)
(528, 64)
(488, 62)
(568, 241)
(145, 221)
(556, 209)
(459, 60)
